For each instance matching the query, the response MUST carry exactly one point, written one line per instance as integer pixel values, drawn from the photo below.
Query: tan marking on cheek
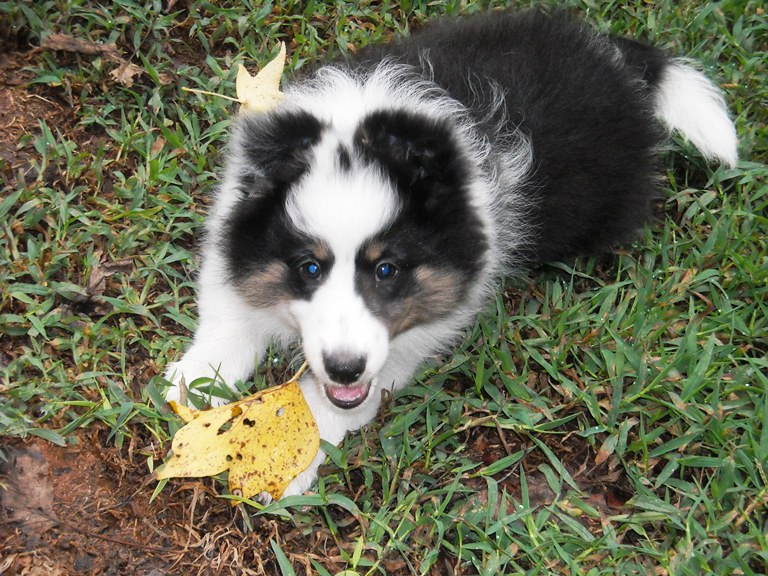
(443, 287)
(438, 291)
(267, 287)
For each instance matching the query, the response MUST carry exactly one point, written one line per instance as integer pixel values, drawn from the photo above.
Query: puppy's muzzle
(345, 388)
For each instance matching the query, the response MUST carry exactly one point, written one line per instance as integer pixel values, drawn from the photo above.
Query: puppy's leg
(231, 338)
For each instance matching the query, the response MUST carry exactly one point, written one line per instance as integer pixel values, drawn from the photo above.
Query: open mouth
(348, 395)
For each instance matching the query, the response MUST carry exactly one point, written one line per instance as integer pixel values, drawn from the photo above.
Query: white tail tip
(688, 102)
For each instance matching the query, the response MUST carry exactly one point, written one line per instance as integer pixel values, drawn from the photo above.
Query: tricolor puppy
(372, 213)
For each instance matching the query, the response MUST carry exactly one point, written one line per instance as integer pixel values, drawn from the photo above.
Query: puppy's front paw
(306, 479)
(264, 498)
(184, 372)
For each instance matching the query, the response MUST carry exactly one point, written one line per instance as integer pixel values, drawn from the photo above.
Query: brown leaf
(97, 281)
(616, 498)
(157, 146)
(606, 450)
(125, 73)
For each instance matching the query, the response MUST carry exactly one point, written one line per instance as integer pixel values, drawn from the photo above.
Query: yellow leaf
(202, 447)
(186, 414)
(264, 440)
(261, 93)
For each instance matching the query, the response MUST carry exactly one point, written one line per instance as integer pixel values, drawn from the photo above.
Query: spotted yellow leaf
(264, 440)
(261, 93)
(183, 412)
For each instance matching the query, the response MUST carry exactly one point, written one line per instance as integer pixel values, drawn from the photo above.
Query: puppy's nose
(344, 368)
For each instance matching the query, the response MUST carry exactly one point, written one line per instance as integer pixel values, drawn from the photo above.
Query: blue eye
(385, 271)
(310, 270)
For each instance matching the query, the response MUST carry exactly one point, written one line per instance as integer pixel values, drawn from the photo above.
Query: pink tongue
(348, 393)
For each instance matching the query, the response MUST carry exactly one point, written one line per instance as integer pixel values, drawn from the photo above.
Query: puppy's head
(360, 233)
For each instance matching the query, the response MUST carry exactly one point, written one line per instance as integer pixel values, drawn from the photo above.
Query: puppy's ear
(276, 149)
(414, 149)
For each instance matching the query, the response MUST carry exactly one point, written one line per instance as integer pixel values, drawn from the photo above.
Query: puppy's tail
(685, 100)
(688, 102)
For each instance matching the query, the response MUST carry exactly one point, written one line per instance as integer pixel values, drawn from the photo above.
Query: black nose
(344, 368)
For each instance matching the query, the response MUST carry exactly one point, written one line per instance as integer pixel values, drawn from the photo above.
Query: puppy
(372, 213)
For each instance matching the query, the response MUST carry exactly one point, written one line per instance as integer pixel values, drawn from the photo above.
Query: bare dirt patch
(85, 509)
(22, 107)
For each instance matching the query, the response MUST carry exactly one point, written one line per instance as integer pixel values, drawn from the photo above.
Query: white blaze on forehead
(341, 207)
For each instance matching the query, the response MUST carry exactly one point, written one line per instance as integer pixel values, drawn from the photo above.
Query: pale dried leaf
(261, 93)
(125, 73)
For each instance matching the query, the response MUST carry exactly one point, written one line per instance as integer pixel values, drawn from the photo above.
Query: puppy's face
(361, 235)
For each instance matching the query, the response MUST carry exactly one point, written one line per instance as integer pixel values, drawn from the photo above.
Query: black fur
(258, 230)
(436, 225)
(589, 118)
(275, 150)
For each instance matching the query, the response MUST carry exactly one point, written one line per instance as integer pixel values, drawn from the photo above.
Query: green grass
(642, 374)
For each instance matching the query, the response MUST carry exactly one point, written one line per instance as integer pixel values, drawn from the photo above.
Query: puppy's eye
(310, 270)
(385, 271)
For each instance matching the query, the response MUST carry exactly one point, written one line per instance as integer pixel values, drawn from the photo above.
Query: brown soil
(86, 509)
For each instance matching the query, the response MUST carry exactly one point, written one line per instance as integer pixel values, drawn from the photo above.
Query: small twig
(208, 93)
(500, 432)
(69, 43)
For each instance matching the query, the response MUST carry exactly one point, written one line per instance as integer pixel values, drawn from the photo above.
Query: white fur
(344, 209)
(688, 102)
(336, 321)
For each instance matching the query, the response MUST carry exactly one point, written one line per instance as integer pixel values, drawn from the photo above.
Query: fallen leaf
(165, 78)
(97, 280)
(607, 449)
(616, 498)
(183, 412)
(158, 146)
(125, 73)
(261, 93)
(264, 440)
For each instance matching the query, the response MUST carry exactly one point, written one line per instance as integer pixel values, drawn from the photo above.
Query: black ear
(276, 149)
(413, 148)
